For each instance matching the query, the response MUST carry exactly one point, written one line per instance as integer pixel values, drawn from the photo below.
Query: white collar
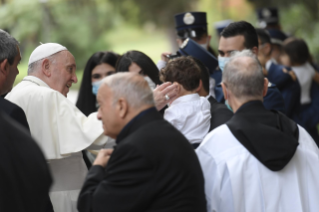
(36, 81)
(187, 98)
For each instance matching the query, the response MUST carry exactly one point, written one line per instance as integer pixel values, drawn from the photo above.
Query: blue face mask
(222, 61)
(228, 106)
(95, 86)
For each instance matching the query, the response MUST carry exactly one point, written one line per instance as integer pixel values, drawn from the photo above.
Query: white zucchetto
(45, 50)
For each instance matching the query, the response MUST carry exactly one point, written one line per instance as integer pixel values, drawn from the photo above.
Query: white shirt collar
(186, 98)
(36, 81)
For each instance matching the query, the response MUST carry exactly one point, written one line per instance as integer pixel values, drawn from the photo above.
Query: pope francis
(60, 129)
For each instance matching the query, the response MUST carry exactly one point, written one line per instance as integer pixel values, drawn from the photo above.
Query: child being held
(296, 55)
(188, 112)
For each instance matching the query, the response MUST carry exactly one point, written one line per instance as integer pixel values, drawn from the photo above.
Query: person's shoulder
(6, 105)
(155, 133)
(306, 141)
(218, 142)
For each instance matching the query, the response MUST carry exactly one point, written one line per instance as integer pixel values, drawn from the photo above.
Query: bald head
(133, 87)
(121, 97)
(243, 76)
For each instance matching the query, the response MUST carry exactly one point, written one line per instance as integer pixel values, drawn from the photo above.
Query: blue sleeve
(277, 76)
(217, 76)
(274, 100)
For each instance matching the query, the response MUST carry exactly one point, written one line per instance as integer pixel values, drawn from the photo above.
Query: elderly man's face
(63, 73)
(228, 45)
(108, 112)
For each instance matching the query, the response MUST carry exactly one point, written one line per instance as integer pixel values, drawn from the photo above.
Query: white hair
(35, 66)
(132, 87)
(243, 75)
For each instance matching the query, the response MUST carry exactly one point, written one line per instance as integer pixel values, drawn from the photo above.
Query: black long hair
(142, 60)
(86, 99)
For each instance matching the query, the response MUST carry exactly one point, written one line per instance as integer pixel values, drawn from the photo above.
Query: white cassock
(236, 181)
(62, 131)
(190, 114)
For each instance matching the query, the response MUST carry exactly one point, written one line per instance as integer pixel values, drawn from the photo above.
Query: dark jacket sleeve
(277, 76)
(274, 100)
(123, 187)
(93, 179)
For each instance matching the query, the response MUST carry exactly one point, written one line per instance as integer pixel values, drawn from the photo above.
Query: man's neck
(235, 103)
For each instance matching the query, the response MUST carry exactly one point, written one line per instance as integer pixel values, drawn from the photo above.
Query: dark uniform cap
(191, 48)
(277, 36)
(267, 15)
(190, 20)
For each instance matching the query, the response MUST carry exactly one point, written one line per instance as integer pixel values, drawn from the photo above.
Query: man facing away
(60, 129)
(259, 160)
(152, 168)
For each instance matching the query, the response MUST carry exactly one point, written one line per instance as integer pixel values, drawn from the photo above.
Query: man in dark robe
(152, 168)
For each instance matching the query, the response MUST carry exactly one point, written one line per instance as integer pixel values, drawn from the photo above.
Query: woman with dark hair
(138, 62)
(100, 65)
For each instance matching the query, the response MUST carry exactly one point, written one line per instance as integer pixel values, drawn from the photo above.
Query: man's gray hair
(131, 87)
(35, 65)
(8, 47)
(243, 75)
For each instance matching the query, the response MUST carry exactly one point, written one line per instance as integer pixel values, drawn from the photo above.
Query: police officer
(193, 25)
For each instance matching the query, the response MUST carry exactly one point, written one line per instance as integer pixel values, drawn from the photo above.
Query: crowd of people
(231, 130)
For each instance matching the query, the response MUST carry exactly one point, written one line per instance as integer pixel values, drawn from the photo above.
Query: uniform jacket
(289, 88)
(272, 101)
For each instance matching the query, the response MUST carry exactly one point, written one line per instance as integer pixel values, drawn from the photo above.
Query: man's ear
(46, 67)
(4, 67)
(265, 86)
(224, 91)
(209, 38)
(122, 107)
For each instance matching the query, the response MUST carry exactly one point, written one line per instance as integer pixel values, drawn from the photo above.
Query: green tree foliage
(160, 13)
(79, 25)
(299, 19)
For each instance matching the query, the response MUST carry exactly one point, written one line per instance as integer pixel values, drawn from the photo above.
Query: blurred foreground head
(121, 97)
(9, 60)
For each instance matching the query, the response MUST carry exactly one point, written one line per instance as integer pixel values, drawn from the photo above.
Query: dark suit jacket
(24, 174)
(289, 88)
(219, 112)
(153, 168)
(272, 101)
(14, 111)
(17, 114)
